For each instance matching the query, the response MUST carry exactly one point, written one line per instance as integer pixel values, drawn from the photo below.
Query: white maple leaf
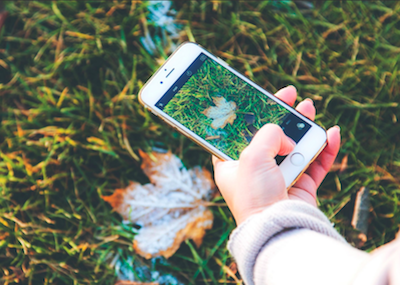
(222, 113)
(170, 209)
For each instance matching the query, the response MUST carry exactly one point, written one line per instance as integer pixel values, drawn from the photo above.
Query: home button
(297, 159)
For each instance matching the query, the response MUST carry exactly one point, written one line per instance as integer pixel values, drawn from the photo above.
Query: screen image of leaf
(211, 82)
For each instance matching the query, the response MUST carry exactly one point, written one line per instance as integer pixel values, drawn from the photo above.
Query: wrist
(246, 213)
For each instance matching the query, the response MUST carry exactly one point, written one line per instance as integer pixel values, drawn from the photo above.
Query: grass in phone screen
(222, 108)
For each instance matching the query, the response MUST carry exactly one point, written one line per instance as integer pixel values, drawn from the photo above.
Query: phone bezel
(309, 146)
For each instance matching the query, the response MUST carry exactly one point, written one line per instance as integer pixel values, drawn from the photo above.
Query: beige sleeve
(292, 242)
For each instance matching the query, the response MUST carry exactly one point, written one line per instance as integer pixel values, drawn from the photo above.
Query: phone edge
(204, 144)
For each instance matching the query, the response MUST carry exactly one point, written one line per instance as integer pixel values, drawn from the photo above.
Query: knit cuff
(247, 240)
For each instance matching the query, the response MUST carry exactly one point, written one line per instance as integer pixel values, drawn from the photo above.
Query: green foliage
(71, 124)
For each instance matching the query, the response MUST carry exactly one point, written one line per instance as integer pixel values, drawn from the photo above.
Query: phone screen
(223, 109)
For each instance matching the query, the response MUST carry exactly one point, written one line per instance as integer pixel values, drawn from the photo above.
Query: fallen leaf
(170, 209)
(144, 273)
(360, 215)
(222, 113)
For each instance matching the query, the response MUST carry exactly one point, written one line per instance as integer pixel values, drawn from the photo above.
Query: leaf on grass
(360, 214)
(222, 113)
(144, 273)
(170, 209)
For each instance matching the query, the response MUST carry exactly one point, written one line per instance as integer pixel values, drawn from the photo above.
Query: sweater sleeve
(292, 242)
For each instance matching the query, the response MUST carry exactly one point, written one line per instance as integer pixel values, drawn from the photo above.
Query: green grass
(71, 124)
(213, 81)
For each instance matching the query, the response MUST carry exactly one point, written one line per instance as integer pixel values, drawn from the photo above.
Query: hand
(255, 181)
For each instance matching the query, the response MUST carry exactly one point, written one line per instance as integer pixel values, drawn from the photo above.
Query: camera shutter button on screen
(297, 159)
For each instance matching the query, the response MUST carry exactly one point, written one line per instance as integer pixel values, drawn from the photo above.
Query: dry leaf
(170, 209)
(360, 216)
(222, 113)
(361, 211)
(144, 273)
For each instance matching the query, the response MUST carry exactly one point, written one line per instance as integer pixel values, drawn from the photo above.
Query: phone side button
(297, 159)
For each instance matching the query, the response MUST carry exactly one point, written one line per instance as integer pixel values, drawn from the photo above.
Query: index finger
(287, 94)
(216, 160)
(322, 164)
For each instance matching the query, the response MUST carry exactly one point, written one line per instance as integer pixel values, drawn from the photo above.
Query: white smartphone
(205, 99)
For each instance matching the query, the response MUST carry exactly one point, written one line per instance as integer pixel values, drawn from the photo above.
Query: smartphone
(205, 99)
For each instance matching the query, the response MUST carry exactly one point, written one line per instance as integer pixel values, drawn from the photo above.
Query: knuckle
(244, 154)
(250, 156)
(272, 129)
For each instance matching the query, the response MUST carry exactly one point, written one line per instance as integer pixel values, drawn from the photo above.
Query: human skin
(255, 181)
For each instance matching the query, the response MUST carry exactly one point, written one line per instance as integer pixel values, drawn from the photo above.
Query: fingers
(320, 167)
(307, 195)
(223, 173)
(306, 108)
(305, 188)
(215, 160)
(221, 164)
(287, 94)
(217, 163)
(269, 142)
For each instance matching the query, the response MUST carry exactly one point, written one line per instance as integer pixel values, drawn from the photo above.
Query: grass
(197, 95)
(71, 124)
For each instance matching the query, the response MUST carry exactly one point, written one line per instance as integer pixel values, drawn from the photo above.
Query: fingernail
(310, 100)
(337, 126)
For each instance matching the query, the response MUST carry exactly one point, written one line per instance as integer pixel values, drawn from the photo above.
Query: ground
(71, 123)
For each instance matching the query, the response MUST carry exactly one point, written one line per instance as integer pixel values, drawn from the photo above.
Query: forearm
(292, 242)
(303, 256)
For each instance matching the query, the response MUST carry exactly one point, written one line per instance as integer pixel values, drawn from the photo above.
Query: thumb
(269, 142)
